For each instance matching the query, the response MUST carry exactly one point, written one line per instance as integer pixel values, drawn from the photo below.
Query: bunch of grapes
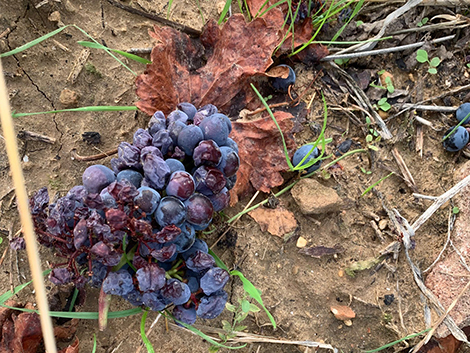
(131, 230)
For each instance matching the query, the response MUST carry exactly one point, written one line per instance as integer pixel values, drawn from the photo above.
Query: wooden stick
(94, 157)
(34, 136)
(25, 216)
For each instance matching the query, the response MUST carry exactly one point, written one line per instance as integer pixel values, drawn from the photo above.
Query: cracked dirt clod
(314, 198)
(68, 98)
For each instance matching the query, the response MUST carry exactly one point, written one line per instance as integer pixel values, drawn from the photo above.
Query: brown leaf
(66, 331)
(28, 334)
(261, 153)
(235, 53)
(276, 221)
(278, 71)
(319, 251)
(73, 348)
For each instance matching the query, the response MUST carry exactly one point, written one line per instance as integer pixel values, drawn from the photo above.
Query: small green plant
(341, 62)
(455, 210)
(422, 22)
(367, 172)
(422, 57)
(388, 83)
(240, 312)
(382, 104)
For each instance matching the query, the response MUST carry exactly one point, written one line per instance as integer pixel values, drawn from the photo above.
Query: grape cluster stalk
(131, 229)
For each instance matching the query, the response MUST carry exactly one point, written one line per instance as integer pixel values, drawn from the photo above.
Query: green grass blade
(85, 315)
(224, 12)
(286, 153)
(99, 108)
(123, 53)
(413, 335)
(254, 293)
(169, 9)
(106, 50)
(218, 261)
(461, 122)
(375, 184)
(32, 43)
(200, 12)
(357, 8)
(270, 7)
(146, 341)
(94, 344)
(7, 295)
(74, 299)
(200, 333)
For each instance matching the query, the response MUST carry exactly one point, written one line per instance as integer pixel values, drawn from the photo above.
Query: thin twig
(440, 201)
(361, 54)
(94, 157)
(404, 170)
(449, 230)
(34, 136)
(188, 30)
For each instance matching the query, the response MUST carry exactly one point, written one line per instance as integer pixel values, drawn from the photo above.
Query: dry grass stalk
(25, 216)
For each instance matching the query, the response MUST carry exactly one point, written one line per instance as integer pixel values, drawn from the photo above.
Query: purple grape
(186, 238)
(230, 162)
(214, 280)
(150, 278)
(200, 261)
(232, 144)
(80, 235)
(199, 244)
(193, 283)
(117, 219)
(142, 138)
(463, 112)
(208, 180)
(156, 172)
(220, 200)
(231, 181)
(60, 276)
(457, 140)
(129, 154)
(208, 153)
(147, 200)
(117, 165)
(189, 109)
(186, 315)
(199, 211)
(170, 211)
(17, 244)
(97, 177)
(174, 130)
(282, 84)
(302, 152)
(122, 191)
(157, 123)
(177, 115)
(108, 200)
(98, 274)
(204, 112)
(180, 185)
(176, 291)
(165, 254)
(106, 255)
(189, 137)
(212, 306)
(174, 165)
(40, 200)
(78, 193)
(215, 127)
(163, 141)
(178, 153)
(134, 297)
(155, 301)
(150, 150)
(168, 234)
(133, 176)
(118, 283)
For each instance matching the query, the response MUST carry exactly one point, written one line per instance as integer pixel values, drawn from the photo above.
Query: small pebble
(342, 312)
(301, 242)
(348, 322)
(295, 270)
(68, 98)
(383, 224)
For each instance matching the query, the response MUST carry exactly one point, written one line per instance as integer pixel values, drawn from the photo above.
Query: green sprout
(422, 22)
(422, 57)
(382, 104)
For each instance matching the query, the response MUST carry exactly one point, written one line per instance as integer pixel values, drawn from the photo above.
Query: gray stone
(314, 198)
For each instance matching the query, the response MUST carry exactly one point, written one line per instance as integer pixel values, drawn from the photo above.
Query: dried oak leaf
(235, 53)
(276, 221)
(261, 153)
